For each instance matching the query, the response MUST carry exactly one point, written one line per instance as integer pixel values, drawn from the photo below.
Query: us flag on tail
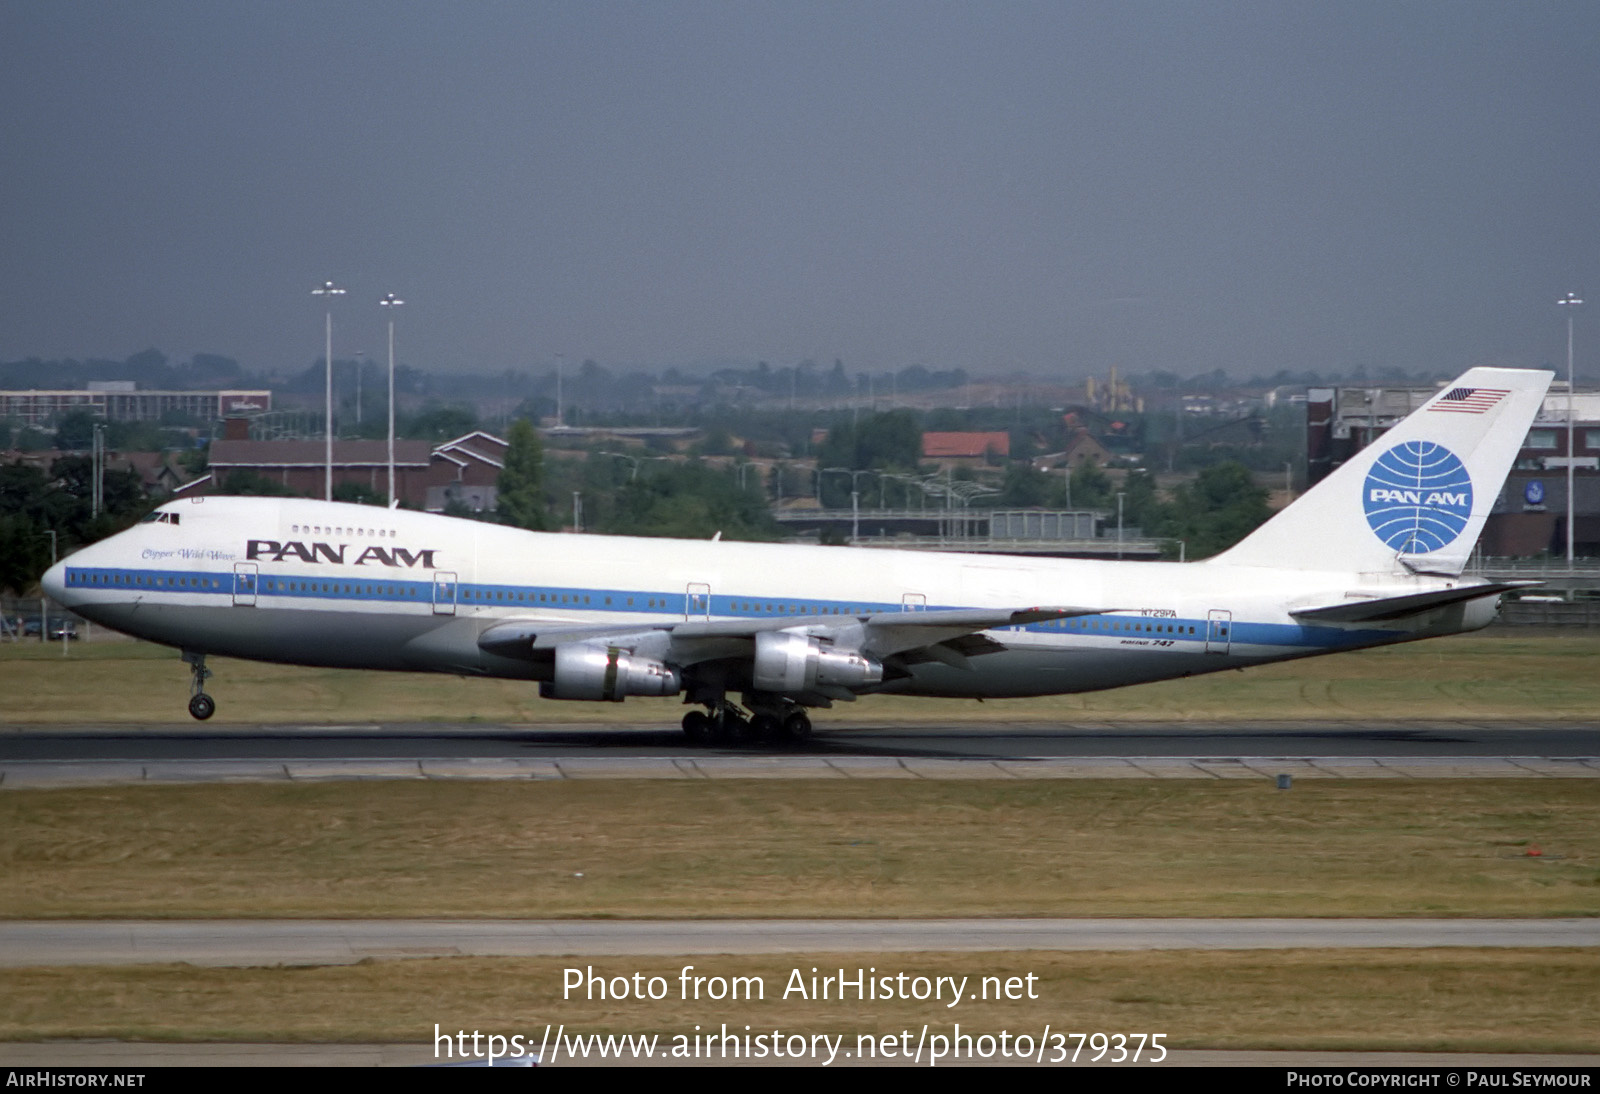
(1469, 400)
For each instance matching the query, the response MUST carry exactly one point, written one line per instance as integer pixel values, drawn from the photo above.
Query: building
(966, 449)
(427, 476)
(160, 473)
(1530, 514)
(121, 402)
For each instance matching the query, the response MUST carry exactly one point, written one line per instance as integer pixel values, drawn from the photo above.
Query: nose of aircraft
(55, 583)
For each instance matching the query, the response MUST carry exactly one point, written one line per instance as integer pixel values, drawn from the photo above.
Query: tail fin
(1416, 498)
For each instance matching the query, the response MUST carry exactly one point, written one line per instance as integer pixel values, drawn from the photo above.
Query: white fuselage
(319, 583)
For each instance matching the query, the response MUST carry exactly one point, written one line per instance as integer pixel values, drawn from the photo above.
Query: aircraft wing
(876, 634)
(1379, 608)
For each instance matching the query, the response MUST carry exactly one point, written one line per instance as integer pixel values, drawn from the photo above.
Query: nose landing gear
(201, 705)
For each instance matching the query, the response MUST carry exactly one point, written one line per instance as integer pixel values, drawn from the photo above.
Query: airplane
(1372, 555)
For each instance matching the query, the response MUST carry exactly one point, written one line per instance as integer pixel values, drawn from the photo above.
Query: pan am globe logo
(1418, 497)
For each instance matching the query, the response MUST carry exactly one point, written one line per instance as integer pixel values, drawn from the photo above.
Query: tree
(75, 431)
(441, 423)
(33, 504)
(890, 441)
(1142, 504)
(250, 483)
(1091, 487)
(358, 494)
(1025, 487)
(1222, 506)
(690, 501)
(521, 483)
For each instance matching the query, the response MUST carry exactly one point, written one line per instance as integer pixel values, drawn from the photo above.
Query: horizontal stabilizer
(1377, 609)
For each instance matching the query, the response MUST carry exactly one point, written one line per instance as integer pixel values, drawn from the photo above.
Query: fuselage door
(697, 602)
(244, 584)
(914, 602)
(1219, 625)
(444, 592)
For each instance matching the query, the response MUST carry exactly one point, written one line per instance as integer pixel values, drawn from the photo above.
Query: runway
(34, 756)
(336, 942)
(172, 754)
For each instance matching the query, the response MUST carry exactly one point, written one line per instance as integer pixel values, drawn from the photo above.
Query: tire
(729, 729)
(797, 726)
(202, 706)
(697, 727)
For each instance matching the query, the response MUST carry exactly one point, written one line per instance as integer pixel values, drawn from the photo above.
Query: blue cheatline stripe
(634, 602)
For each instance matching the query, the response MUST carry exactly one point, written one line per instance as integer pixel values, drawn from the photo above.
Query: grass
(1431, 1000)
(1346, 847)
(802, 848)
(1494, 675)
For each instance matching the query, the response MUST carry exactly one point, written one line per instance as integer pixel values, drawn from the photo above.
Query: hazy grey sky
(1056, 187)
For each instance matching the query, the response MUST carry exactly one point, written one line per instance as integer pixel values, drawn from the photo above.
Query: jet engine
(790, 663)
(586, 671)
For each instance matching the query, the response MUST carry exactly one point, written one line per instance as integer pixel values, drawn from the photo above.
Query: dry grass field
(805, 848)
(774, 848)
(1494, 675)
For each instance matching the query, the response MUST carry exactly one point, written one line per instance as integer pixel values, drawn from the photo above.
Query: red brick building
(427, 476)
(957, 449)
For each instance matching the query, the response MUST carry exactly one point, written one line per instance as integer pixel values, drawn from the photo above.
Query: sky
(1055, 188)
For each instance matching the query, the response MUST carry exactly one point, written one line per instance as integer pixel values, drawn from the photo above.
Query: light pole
(1570, 301)
(330, 291)
(97, 489)
(633, 474)
(855, 493)
(389, 303)
(560, 367)
(1120, 494)
(44, 615)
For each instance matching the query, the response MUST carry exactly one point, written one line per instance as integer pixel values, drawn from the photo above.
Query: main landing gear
(724, 723)
(201, 705)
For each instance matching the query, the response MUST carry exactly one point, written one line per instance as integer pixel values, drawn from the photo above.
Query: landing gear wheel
(697, 727)
(201, 705)
(764, 727)
(727, 728)
(797, 727)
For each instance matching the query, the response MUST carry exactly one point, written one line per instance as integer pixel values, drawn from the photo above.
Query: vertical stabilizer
(1415, 499)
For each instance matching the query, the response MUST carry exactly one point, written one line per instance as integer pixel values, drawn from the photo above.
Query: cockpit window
(159, 517)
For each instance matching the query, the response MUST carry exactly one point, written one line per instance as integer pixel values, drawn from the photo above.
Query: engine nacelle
(789, 663)
(605, 672)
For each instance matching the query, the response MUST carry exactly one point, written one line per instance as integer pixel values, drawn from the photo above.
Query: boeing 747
(1372, 555)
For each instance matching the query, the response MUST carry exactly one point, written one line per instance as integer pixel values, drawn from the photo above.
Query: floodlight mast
(391, 302)
(1569, 302)
(328, 290)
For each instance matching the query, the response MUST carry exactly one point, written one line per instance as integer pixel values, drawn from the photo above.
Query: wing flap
(521, 637)
(1379, 608)
(890, 633)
